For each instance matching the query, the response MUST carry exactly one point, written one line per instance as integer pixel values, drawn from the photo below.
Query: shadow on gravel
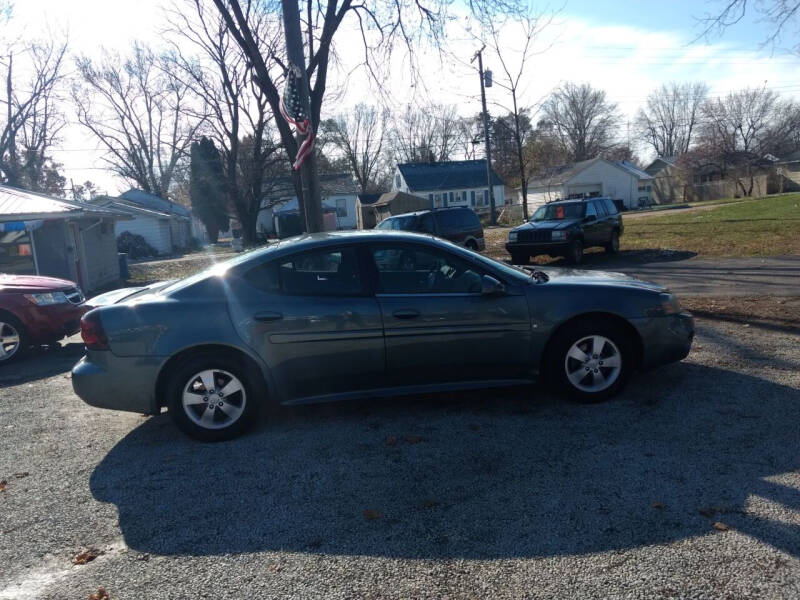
(480, 476)
(597, 258)
(41, 363)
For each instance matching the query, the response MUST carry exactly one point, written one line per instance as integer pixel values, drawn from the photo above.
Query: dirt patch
(767, 312)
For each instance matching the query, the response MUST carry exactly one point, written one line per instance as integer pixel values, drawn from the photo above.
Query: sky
(626, 48)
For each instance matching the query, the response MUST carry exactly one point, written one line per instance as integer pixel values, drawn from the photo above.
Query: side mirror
(491, 287)
(590, 218)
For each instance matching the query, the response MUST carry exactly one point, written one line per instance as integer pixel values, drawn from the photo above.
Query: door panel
(439, 328)
(321, 341)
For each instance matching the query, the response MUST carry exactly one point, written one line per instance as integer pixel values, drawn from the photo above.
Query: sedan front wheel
(591, 361)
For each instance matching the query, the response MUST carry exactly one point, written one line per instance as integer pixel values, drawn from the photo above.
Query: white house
(339, 194)
(450, 183)
(595, 177)
(153, 226)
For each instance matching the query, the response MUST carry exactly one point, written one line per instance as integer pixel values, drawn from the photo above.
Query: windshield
(399, 223)
(556, 212)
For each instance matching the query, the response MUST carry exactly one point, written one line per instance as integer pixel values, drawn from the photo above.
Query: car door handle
(408, 313)
(268, 315)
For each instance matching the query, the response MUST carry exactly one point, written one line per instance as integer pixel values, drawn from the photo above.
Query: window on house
(397, 181)
(472, 197)
(451, 196)
(341, 207)
(485, 197)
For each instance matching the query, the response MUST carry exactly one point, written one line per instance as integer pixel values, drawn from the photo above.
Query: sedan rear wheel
(12, 339)
(211, 399)
(589, 361)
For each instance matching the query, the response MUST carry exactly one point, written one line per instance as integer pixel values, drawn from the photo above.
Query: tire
(227, 416)
(519, 258)
(13, 339)
(575, 253)
(471, 245)
(598, 379)
(612, 247)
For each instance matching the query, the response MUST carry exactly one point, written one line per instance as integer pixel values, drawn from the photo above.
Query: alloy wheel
(9, 341)
(214, 399)
(593, 363)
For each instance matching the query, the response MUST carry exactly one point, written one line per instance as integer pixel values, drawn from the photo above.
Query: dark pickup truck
(565, 228)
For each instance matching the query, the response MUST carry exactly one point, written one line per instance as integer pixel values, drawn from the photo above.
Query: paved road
(509, 494)
(694, 276)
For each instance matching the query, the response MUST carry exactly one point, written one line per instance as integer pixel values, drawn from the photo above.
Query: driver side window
(413, 270)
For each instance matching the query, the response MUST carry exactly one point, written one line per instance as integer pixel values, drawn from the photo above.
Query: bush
(134, 245)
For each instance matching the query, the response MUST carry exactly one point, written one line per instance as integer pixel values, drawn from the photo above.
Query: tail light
(92, 332)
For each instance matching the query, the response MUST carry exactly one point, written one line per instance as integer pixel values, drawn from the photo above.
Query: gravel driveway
(509, 494)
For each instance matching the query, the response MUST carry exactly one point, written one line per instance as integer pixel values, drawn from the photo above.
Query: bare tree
(136, 107)
(780, 14)
(740, 129)
(429, 133)
(30, 115)
(583, 120)
(670, 117)
(233, 106)
(383, 25)
(360, 138)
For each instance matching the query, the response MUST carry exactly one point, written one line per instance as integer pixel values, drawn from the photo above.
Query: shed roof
(20, 205)
(330, 185)
(153, 202)
(388, 197)
(369, 198)
(563, 173)
(633, 169)
(448, 175)
(126, 207)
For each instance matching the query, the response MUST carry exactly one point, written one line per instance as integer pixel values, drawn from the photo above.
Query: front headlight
(512, 236)
(559, 236)
(667, 305)
(47, 298)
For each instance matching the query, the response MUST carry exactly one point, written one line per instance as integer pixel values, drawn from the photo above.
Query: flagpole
(311, 201)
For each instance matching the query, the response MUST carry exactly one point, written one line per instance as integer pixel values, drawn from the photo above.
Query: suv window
(469, 220)
(425, 223)
(610, 206)
(447, 220)
(410, 270)
(315, 273)
(590, 209)
(600, 208)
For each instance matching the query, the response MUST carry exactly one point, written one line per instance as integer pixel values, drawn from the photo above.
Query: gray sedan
(366, 314)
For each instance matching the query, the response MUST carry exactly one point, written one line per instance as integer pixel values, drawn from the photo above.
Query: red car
(36, 310)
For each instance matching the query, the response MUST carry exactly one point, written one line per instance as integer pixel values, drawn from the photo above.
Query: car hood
(32, 283)
(560, 276)
(550, 225)
(115, 296)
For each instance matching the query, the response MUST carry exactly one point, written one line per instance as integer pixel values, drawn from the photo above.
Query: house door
(79, 256)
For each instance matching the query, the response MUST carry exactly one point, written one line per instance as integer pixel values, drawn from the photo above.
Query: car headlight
(559, 235)
(47, 298)
(512, 236)
(667, 305)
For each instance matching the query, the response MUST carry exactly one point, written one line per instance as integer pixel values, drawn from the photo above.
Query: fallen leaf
(275, 568)
(707, 512)
(372, 515)
(720, 526)
(658, 505)
(391, 440)
(3, 485)
(86, 556)
(100, 594)
(414, 439)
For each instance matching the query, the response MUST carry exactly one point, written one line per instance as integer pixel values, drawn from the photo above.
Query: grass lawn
(762, 227)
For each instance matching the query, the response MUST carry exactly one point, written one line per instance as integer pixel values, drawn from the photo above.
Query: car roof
(432, 210)
(579, 200)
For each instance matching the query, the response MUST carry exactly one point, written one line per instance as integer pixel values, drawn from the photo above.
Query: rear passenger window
(610, 206)
(317, 273)
(601, 208)
(447, 219)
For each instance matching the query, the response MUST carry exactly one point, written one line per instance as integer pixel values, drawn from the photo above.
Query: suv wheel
(575, 253)
(612, 247)
(471, 245)
(13, 339)
(210, 398)
(591, 361)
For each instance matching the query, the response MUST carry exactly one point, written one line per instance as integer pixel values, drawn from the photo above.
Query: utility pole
(311, 208)
(479, 56)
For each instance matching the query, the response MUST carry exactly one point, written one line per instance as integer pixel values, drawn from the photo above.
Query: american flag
(292, 111)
